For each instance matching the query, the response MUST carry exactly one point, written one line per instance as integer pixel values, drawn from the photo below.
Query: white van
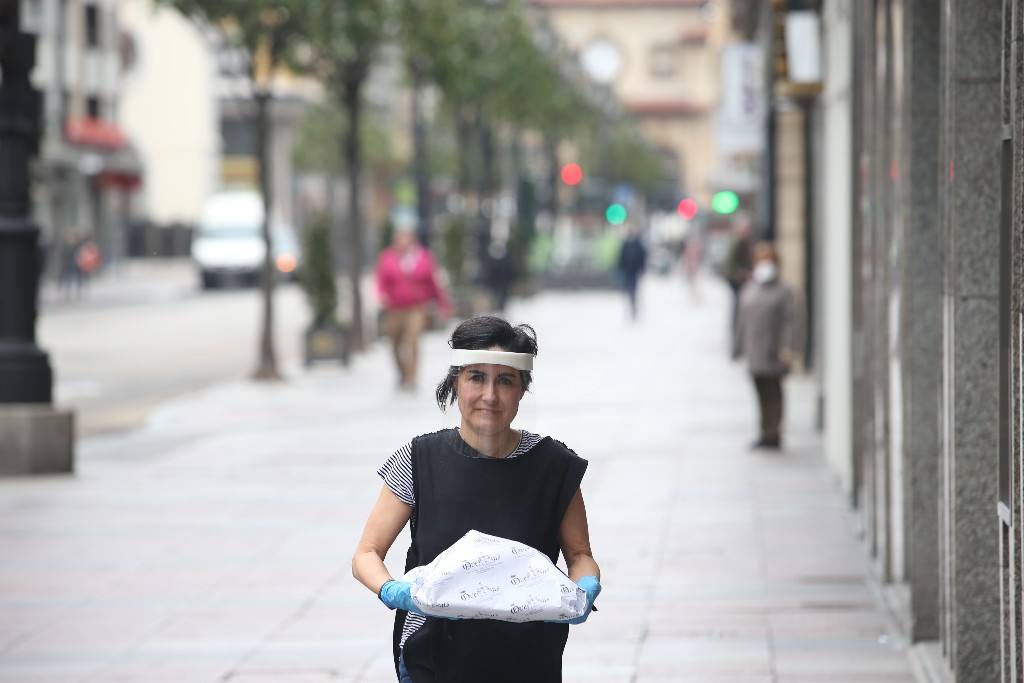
(227, 246)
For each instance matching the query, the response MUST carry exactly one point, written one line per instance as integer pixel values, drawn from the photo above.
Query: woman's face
(489, 397)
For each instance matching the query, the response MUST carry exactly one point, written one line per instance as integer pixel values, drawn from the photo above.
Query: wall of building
(834, 200)
(78, 71)
(169, 107)
(929, 444)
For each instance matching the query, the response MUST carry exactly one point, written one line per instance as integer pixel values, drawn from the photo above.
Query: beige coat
(767, 328)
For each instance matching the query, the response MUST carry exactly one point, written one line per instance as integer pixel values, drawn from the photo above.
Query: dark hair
(485, 332)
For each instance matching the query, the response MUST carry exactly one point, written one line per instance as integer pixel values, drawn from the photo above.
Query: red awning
(94, 133)
(124, 180)
(667, 107)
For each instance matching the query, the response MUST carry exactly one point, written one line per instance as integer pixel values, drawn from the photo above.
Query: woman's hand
(398, 595)
(591, 585)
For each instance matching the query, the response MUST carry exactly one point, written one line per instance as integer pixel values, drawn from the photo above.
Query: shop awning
(91, 132)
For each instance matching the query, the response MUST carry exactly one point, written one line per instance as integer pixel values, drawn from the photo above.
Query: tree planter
(327, 342)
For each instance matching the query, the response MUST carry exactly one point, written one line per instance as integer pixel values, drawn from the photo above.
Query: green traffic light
(616, 214)
(725, 202)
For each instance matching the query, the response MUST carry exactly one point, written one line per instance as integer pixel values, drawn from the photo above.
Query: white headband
(519, 361)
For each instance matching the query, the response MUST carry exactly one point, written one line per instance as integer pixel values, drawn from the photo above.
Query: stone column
(1012, 531)
(865, 358)
(970, 160)
(922, 312)
(859, 192)
(879, 286)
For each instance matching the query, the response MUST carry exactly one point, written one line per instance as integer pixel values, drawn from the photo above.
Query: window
(92, 26)
(238, 137)
(663, 61)
(93, 107)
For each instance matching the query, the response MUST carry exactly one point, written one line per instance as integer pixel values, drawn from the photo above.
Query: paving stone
(214, 544)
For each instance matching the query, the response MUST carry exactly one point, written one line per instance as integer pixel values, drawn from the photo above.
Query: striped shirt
(397, 476)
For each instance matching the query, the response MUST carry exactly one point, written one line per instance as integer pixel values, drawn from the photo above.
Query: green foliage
(619, 155)
(454, 238)
(341, 39)
(317, 141)
(251, 25)
(484, 56)
(385, 233)
(317, 274)
(541, 249)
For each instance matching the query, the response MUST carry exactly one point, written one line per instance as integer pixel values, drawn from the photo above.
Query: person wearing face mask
(766, 332)
(487, 476)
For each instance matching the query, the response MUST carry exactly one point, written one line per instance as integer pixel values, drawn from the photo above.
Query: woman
(483, 475)
(406, 283)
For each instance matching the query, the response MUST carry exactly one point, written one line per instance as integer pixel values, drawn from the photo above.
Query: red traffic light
(687, 208)
(572, 174)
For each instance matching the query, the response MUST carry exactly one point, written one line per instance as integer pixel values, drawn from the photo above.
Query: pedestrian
(767, 333)
(631, 264)
(692, 256)
(70, 273)
(487, 476)
(88, 259)
(407, 283)
(738, 264)
(500, 273)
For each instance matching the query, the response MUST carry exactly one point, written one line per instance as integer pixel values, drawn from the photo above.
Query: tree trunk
(463, 145)
(336, 228)
(486, 186)
(420, 160)
(353, 163)
(267, 365)
(551, 156)
(488, 157)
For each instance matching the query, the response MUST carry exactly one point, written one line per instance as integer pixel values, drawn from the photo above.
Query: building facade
(661, 58)
(87, 167)
(921, 216)
(168, 104)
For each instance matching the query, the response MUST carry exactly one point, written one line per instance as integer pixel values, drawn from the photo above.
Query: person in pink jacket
(406, 283)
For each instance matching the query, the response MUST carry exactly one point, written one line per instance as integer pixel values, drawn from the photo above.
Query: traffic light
(687, 208)
(572, 174)
(616, 214)
(725, 202)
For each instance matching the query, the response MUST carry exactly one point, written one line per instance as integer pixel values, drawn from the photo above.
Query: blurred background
(195, 196)
(522, 137)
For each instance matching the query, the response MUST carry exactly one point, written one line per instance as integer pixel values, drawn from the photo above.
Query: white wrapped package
(489, 577)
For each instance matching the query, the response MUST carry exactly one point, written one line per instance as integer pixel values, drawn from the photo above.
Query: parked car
(228, 246)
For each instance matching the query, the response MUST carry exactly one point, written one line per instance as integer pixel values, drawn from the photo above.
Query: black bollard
(25, 374)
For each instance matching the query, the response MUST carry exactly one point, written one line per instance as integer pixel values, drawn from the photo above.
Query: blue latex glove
(398, 595)
(591, 585)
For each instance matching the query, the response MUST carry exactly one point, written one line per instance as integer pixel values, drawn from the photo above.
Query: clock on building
(602, 60)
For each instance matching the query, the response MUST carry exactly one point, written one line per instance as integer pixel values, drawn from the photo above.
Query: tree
(260, 29)
(341, 42)
(317, 149)
(424, 32)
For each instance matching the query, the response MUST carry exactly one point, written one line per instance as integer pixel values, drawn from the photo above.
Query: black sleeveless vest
(458, 489)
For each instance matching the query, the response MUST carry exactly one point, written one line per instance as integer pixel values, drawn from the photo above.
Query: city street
(146, 333)
(213, 542)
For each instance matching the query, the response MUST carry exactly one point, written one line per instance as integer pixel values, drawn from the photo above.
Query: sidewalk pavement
(132, 281)
(214, 544)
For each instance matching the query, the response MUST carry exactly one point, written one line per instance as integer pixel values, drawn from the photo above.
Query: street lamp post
(33, 437)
